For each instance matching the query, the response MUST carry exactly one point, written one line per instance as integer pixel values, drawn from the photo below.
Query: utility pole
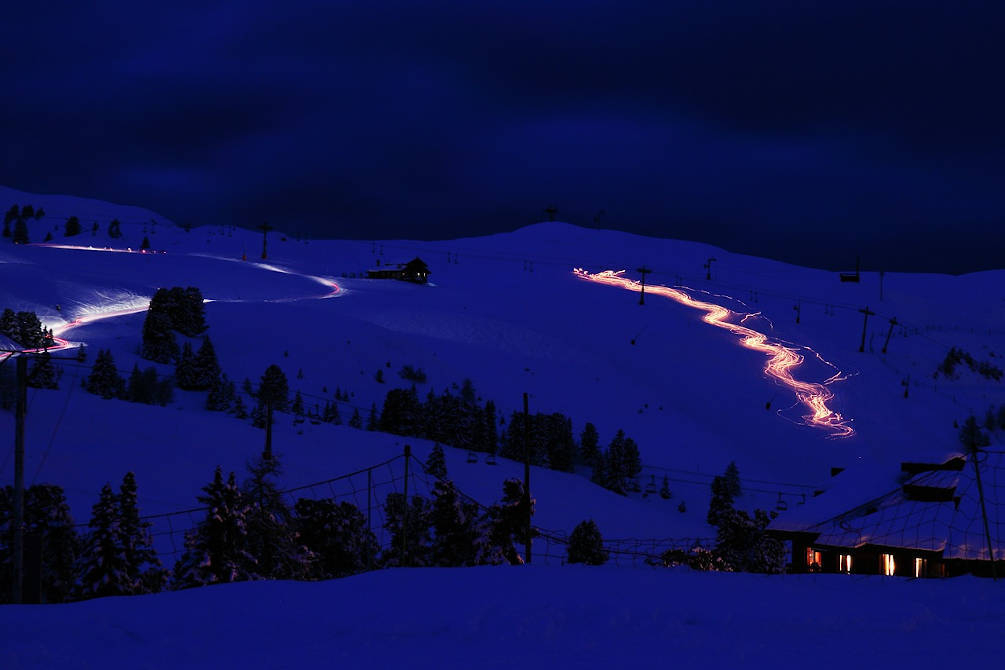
(865, 322)
(643, 271)
(265, 228)
(369, 498)
(526, 472)
(708, 268)
(893, 322)
(268, 430)
(881, 273)
(984, 512)
(20, 410)
(404, 514)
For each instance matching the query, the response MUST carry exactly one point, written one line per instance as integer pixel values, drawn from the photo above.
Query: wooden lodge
(414, 270)
(929, 526)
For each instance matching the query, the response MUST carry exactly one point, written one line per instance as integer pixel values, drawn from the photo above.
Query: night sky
(805, 131)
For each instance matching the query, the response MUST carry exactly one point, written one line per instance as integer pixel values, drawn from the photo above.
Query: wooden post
(369, 526)
(526, 472)
(984, 511)
(893, 322)
(865, 322)
(404, 515)
(21, 409)
(643, 271)
(267, 455)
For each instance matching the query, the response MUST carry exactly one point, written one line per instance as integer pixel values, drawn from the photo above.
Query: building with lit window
(930, 525)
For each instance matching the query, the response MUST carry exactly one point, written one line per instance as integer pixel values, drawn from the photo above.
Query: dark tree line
(175, 309)
(25, 329)
(144, 386)
(20, 216)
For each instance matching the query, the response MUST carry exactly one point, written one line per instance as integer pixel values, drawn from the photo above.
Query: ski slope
(509, 312)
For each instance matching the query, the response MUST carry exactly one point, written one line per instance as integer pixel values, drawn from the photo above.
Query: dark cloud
(790, 129)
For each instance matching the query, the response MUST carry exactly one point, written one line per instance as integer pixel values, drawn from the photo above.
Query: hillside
(508, 312)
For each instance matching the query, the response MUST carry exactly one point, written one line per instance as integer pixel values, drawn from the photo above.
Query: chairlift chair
(781, 505)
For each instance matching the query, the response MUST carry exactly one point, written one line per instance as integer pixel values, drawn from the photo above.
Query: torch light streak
(781, 362)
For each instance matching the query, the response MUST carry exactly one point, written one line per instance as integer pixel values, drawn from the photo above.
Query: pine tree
(144, 571)
(159, 342)
(336, 536)
(259, 415)
(136, 390)
(506, 522)
(298, 405)
(20, 231)
(48, 237)
(436, 464)
(453, 526)
(491, 429)
(185, 371)
(721, 503)
(274, 388)
(732, 477)
(742, 544)
(355, 421)
(589, 440)
(46, 514)
(586, 545)
(1001, 416)
(72, 227)
(371, 421)
(205, 369)
(217, 550)
(103, 570)
(665, 489)
(104, 379)
(239, 410)
(43, 373)
(221, 396)
(410, 537)
(271, 536)
(145, 244)
(971, 436)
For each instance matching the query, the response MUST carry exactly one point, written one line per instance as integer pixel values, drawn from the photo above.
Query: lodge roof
(936, 509)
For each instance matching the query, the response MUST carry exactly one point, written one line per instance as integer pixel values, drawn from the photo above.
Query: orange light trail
(781, 360)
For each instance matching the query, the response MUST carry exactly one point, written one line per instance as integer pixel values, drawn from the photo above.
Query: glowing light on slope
(92, 313)
(781, 362)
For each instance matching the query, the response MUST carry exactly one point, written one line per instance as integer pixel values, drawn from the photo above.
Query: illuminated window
(813, 559)
(920, 567)
(844, 562)
(889, 568)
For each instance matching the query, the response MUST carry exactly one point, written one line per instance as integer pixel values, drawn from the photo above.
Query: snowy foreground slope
(527, 617)
(508, 312)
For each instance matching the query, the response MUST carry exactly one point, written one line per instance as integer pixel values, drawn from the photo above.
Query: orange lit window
(920, 567)
(889, 567)
(813, 559)
(844, 562)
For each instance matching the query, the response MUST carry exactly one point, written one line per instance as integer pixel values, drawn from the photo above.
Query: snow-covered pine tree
(271, 536)
(355, 421)
(586, 545)
(104, 379)
(336, 536)
(410, 536)
(217, 550)
(43, 373)
(506, 522)
(102, 569)
(453, 524)
(159, 342)
(436, 464)
(143, 568)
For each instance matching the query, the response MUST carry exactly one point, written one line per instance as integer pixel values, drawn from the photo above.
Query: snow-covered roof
(897, 518)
